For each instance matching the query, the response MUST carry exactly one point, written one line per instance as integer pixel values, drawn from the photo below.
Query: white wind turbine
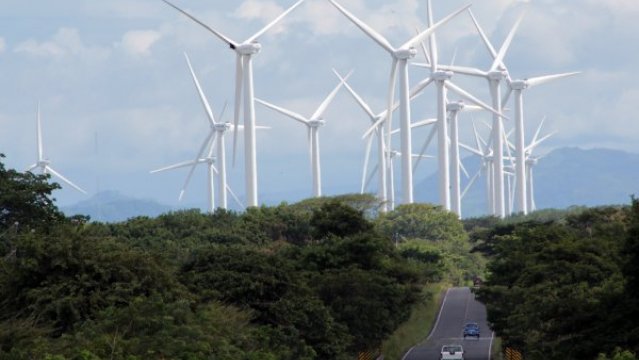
(368, 136)
(495, 75)
(400, 58)
(216, 135)
(485, 153)
(442, 76)
(244, 85)
(517, 87)
(530, 162)
(313, 123)
(44, 163)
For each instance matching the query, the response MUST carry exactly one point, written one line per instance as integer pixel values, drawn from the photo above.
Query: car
(471, 329)
(454, 352)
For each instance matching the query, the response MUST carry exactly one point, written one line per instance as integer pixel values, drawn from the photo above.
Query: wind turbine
(44, 163)
(216, 135)
(400, 58)
(485, 153)
(441, 76)
(313, 123)
(454, 108)
(376, 120)
(518, 87)
(244, 85)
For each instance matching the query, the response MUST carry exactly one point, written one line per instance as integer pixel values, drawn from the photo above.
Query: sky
(117, 100)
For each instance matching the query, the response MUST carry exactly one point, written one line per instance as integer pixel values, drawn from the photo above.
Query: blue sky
(117, 100)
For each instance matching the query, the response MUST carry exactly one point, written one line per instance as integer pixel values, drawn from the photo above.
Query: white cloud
(66, 42)
(265, 11)
(139, 42)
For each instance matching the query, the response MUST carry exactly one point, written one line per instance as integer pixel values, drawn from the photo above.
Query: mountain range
(564, 177)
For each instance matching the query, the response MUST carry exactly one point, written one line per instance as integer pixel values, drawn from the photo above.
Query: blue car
(471, 329)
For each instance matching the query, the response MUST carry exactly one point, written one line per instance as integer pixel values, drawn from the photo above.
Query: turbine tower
(400, 57)
(244, 86)
(518, 87)
(313, 124)
(45, 164)
(216, 135)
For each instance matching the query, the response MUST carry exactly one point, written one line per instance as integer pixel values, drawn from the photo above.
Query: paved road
(459, 306)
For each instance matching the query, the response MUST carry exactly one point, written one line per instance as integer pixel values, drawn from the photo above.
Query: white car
(455, 352)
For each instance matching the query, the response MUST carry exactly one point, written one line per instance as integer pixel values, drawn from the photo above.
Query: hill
(563, 178)
(112, 206)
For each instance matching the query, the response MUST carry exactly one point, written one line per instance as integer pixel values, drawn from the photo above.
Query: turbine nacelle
(222, 127)
(455, 106)
(442, 75)
(250, 48)
(519, 85)
(405, 54)
(532, 161)
(497, 75)
(44, 163)
(316, 123)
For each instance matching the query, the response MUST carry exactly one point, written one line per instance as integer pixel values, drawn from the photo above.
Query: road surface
(458, 307)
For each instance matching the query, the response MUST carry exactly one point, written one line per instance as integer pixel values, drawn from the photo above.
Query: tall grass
(419, 324)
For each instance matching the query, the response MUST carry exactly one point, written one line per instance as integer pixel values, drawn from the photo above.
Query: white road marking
(439, 315)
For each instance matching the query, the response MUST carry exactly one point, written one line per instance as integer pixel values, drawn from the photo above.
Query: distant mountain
(111, 206)
(564, 177)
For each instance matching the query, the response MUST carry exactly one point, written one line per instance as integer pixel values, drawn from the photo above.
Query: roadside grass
(418, 326)
(497, 354)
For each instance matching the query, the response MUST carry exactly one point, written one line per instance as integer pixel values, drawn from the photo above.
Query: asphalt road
(458, 307)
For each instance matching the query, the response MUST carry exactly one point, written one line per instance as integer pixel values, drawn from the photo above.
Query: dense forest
(321, 279)
(324, 278)
(563, 284)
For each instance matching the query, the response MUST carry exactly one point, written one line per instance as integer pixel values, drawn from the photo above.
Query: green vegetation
(564, 287)
(321, 279)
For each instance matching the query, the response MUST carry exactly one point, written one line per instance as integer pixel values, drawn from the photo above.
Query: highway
(458, 307)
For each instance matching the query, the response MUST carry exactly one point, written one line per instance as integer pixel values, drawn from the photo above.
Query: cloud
(264, 11)
(66, 42)
(139, 42)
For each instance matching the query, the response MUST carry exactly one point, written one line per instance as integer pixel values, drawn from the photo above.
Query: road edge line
(490, 347)
(439, 315)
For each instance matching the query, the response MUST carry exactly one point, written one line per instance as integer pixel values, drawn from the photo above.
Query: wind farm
(436, 147)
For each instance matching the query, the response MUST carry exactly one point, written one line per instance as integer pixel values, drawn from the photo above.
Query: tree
(25, 200)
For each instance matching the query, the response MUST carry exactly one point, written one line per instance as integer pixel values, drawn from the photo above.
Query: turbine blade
(57, 174)
(221, 36)
(291, 114)
(544, 79)
(235, 198)
(272, 23)
(423, 123)
(536, 143)
(370, 176)
(239, 79)
(221, 116)
(195, 162)
(411, 43)
(322, 108)
(424, 49)
(369, 143)
(39, 134)
(379, 39)
(420, 86)
(506, 97)
(474, 151)
(432, 40)
(541, 124)
(465, 94)
(476, 136)
(31, 167)
(470, 183)
(203, 99)
(499, 59)
(489, 45)
(174, 166)
(463, 169)
(357, 98)
(425, 146)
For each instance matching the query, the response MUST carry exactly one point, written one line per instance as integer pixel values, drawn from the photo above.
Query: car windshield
(452, 348)
(472, 326)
